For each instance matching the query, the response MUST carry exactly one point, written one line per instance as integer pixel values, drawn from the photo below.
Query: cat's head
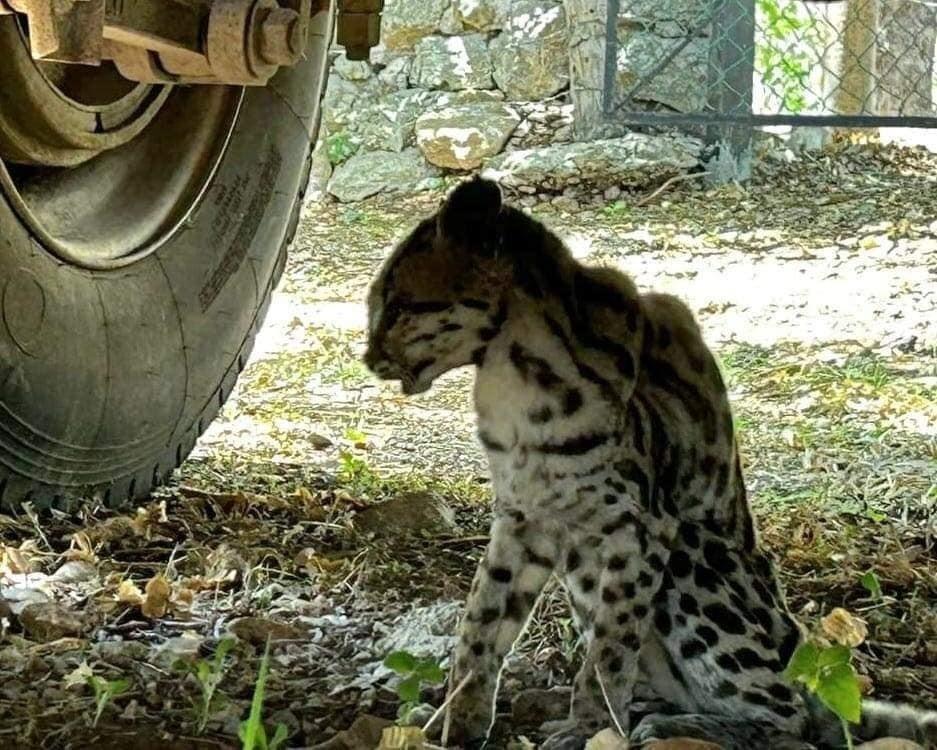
(440, 297)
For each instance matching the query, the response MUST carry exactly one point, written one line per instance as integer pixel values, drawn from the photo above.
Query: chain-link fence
(771, 62)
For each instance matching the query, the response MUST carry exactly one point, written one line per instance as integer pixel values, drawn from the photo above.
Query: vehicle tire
(111, 369)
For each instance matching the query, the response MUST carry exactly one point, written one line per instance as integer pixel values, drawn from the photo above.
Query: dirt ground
(817, 287)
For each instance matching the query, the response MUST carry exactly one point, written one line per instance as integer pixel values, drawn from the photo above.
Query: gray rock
(682, 83)
(482, 15)
(365, 732)
(352, 70)
(452, 63)
(667, 17)
(632, 160)
(450, 25)
(369, 173)
(389, 124)
(395, 75)
(319, 174)
(530, 708)
(463, 136)
(407, 514)
(405, 22)
(531, 56)
(345, 101)
(426, 632)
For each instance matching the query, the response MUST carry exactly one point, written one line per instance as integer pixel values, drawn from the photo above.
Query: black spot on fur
(705, 578)
(692, 649)
(575, 446)
(726, 689)
(617, 562)
(489, 615)
(573, 560)
(542, 415)
(631, 641)
(781, 692)
(644, 579)
(690, 535)
(478, 648)
(501, 575)
(717, 557)
(475, 304)
(707, 634)
(689, 604)
(490, 443)
(662, 622)
(680, 564)
(724, 618)
(572, 401)
(587, 583)
(729, 663)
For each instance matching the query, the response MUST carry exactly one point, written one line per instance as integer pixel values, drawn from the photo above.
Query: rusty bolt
(280, 37)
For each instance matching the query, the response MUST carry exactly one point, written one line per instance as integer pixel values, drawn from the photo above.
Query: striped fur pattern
(614, 463)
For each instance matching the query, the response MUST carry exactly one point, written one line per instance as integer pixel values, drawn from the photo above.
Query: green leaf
(280, 736)
(251, 731)
(803, 665)
(833, 656)
(839, 691)
(409, 689)
(401, 662)
(430, 671)
(118, 687)
(871, 584)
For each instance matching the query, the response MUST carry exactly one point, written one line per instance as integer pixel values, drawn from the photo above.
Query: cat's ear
(469, 216)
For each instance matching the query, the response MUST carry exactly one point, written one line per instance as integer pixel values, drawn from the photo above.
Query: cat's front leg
(518, 562)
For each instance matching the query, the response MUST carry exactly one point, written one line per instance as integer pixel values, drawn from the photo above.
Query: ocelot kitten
(614, 464)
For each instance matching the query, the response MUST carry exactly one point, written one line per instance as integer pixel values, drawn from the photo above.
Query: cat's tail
(879, 719)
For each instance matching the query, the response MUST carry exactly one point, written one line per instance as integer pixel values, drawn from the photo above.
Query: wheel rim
(105, 195)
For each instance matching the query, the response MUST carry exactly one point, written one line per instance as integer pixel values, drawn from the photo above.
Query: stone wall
(463, 85)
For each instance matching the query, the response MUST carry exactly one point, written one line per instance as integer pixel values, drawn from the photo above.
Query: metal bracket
(172, 41)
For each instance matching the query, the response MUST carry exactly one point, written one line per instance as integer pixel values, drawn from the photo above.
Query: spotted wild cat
(614, 464)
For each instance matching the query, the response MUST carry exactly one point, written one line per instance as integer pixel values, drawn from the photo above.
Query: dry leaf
(78, 676)
(844, 628)
(156, 601)
(607, 739)
(402, 738)
(129, 593)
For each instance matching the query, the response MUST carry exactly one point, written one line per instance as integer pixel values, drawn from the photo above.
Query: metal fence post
(731, 75)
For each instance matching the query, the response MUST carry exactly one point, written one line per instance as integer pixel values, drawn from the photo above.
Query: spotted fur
(614, 463)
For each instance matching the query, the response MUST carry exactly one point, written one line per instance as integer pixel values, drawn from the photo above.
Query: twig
(444, 739)
(667, 183)
(608, 703)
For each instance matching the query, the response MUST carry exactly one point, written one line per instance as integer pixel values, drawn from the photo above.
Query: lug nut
(281, 38)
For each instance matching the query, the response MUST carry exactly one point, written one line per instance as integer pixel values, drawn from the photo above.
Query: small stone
(890, 743)
(462, 137)
(450, 24)
(49, 621)
(364, 733)
(531, 56)
(411, 513)
(564, 203)
(373, 172)
(482, 15)
(452, 63)
(258, 630)
(352, 70)
(634, 160)
(612, 193)
(607, 739)
(405, 22)
(533, 707)
(75, 571)
(681, 743)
